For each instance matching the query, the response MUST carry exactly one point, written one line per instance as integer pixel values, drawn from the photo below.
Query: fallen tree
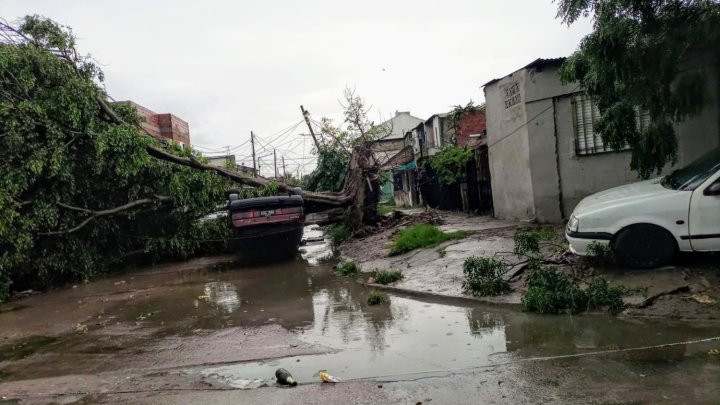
(83, 188)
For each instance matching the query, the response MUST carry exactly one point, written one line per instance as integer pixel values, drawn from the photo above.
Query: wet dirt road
(184, 333)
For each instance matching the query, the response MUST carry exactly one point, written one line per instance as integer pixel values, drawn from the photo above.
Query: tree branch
(102, 213)
(194, 163)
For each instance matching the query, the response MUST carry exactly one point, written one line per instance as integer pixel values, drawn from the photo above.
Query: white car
(646, 223)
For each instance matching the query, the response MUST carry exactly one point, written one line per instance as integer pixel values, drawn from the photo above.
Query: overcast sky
(229, 67)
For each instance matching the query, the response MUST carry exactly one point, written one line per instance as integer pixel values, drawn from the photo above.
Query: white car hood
(629, 194)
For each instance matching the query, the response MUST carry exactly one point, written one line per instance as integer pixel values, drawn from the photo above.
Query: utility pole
(306, 115)
(275, 161)
(284, 171)
(252, 142)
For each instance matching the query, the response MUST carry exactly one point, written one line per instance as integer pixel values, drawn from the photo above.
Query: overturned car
(268, 225)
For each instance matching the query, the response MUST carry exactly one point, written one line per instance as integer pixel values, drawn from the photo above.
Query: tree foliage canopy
(79, 193)
(338, 142)
(636, 60)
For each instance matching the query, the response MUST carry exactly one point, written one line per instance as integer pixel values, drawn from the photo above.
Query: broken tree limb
(336, 199)
(101, 213)
(362, 168)
(321, 198)
(651, 299)
(327, 217)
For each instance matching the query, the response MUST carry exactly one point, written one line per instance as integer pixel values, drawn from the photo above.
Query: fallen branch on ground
(651, 299)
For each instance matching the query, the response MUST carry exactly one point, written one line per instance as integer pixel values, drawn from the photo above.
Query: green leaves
(528, 240)
(451, 164)
(330, 172)
(58, 147)
(484, 276)
(643, 56)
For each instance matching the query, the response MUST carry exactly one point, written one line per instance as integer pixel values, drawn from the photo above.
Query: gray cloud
(228, 67)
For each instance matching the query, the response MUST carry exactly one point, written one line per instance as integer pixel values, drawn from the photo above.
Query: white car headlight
(573, 224)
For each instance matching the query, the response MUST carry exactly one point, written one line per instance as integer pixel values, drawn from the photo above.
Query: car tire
(644, 246)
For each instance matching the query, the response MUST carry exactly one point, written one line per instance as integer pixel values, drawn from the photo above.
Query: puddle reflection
(223, 295)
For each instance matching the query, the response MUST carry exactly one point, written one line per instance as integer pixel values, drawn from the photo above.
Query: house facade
(544, 156)
(395, 152)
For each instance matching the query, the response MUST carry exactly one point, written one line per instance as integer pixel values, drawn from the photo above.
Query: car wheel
(644, 246)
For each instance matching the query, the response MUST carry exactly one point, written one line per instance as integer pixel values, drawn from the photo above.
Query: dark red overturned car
(268, 225)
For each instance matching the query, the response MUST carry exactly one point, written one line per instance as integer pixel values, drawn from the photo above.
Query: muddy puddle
(298, 315)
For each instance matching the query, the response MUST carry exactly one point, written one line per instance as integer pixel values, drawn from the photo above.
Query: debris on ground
(327, 378)
(80, 329)
(284, 377)
(703, 299)
(26, 293)
(399, 220)
(714, 352)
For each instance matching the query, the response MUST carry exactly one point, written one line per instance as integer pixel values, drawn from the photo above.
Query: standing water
(131, 320)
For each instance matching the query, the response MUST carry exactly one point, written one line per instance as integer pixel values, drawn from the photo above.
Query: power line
(551, 106)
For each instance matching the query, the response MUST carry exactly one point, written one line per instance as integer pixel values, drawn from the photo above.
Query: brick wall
(471, 124)
(162, 125)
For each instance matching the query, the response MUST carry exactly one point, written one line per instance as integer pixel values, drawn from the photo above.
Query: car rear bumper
(579, 241)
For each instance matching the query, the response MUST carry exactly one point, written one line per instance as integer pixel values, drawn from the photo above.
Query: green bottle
(284, 377)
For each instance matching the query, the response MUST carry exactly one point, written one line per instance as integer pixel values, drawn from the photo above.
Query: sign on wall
(512, 94)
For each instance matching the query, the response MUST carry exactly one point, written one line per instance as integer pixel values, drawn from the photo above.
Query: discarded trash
(327, 378)
(284, 377)
(120, 282)
(714, 352)
(203, 297)
(703, 299)
(80, 328)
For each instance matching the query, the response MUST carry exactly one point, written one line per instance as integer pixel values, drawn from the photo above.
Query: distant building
(163, 126)
(229, 162)
(400, 124)
(394, 152)
(438, 133)
(471, 129)
(225, 161)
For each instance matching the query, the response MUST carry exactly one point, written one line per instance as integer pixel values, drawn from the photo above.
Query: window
(587, 142)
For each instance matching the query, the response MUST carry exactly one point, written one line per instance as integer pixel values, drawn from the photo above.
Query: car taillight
(243, 215)
(292, 210)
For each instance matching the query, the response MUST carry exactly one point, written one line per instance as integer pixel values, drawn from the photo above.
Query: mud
(199, 332)
(438, 271)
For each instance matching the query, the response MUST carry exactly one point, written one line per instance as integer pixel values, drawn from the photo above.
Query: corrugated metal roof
(539, 62)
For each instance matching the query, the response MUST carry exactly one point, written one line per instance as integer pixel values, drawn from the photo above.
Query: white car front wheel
(644, 246)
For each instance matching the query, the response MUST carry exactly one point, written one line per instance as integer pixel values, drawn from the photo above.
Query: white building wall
(509, 150)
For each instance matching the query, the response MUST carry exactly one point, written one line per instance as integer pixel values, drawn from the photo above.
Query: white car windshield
(693, 175)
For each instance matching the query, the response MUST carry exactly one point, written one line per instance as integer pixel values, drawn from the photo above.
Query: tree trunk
(363, 184)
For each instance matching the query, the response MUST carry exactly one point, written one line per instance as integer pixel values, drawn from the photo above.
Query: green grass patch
(421, 235)
(387, 276)
(383, 209)
(338, 233)
(347, 269)
(376, 298)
